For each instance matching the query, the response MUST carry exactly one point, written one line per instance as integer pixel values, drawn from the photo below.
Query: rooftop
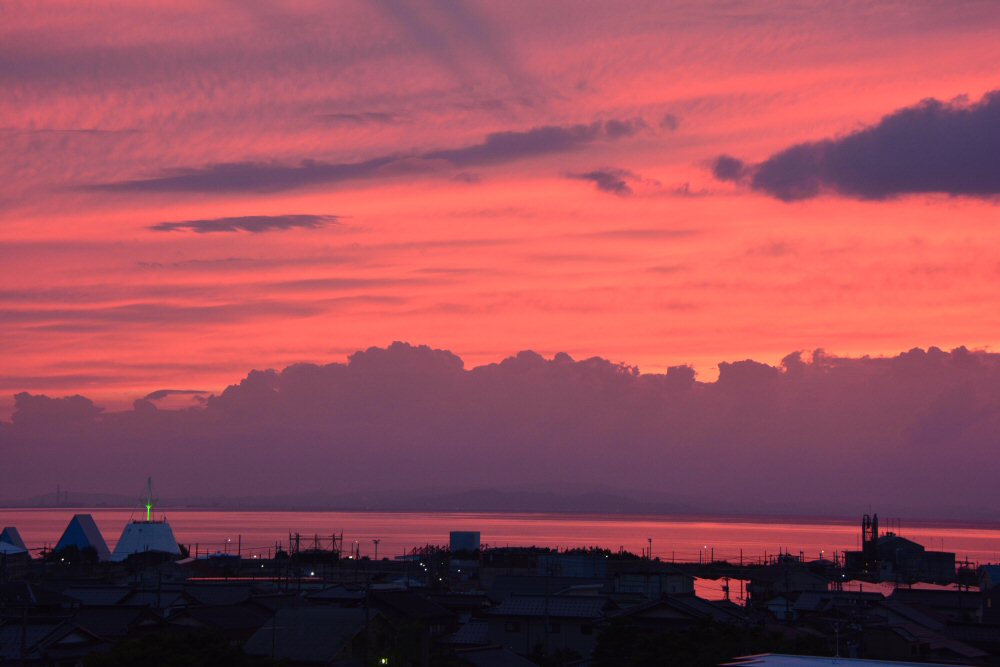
(780, 660)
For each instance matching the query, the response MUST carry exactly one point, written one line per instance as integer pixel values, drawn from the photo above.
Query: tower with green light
(149, 500)
(142, 536)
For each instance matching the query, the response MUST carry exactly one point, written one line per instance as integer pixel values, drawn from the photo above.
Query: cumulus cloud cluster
(933, 147)
(916, 428)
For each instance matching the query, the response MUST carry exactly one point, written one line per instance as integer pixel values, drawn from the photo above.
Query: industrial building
(890, 557)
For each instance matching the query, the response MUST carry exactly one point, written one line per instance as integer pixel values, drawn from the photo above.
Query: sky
(191, 192)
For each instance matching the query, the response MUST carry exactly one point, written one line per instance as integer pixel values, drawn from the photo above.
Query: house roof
(67, 639)
(34, 631)
(98, 596)
(975, 633)
(221, 593)
(820, 600)
(158, 599)
(245, 616)
(114, 622)
(935, 641)
(935, 599)
(338, 593)
(474, 633)
(912, 615)
(553, 607)
(688, 605)
(19, 593)
(471, 601)
(779, 660)
(493, 656)
(893, 541)
(307, 634)
(505, 585)
(275, 601)
(411, 605)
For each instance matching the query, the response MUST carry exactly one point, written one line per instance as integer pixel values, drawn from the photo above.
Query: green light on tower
(149, 500)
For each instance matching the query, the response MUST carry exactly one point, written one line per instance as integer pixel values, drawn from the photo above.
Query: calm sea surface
(674, 537)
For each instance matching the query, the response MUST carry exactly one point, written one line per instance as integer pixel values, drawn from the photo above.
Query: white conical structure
(145, 536)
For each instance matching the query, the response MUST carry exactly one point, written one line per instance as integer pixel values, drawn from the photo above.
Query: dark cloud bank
(933, 147)
(915, 431)
(497, 148)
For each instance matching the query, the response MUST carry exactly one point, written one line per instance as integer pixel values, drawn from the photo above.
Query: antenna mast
(149, 499)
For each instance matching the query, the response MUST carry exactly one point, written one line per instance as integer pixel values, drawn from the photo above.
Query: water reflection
(673, 538)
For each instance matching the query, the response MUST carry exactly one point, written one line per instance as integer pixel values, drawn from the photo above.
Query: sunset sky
(192, 190)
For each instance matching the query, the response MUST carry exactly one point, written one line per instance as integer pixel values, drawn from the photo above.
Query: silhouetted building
(464, 540)
(890, 557)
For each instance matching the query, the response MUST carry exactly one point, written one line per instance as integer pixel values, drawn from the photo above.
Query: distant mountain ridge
(523, 500)
(479, 500)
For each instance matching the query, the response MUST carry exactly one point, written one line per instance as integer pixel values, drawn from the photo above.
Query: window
(512, 626)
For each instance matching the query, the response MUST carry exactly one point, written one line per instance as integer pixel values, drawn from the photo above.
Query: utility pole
(376, 541)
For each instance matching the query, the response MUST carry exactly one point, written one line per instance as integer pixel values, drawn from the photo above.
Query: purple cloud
(615, 181)
(497, 148)
(254, 224)
(822, 431)
(932, 147)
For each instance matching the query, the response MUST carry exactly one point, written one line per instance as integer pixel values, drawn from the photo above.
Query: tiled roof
(494, 657)
(554, 607)
(307, 634)
(410, 605)
(111, 622)
(97, 596)
(473, 633)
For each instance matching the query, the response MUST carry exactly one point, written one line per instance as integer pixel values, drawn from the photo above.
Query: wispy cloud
(497, 148)
(160, 394)
(247, 223)
(615, 181)
(361, 118)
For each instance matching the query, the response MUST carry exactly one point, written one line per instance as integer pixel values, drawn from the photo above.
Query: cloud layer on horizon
(933, 147)
(848, 431)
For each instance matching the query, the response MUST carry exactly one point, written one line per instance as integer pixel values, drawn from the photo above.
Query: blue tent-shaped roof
(11, 536)
(83, 533)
